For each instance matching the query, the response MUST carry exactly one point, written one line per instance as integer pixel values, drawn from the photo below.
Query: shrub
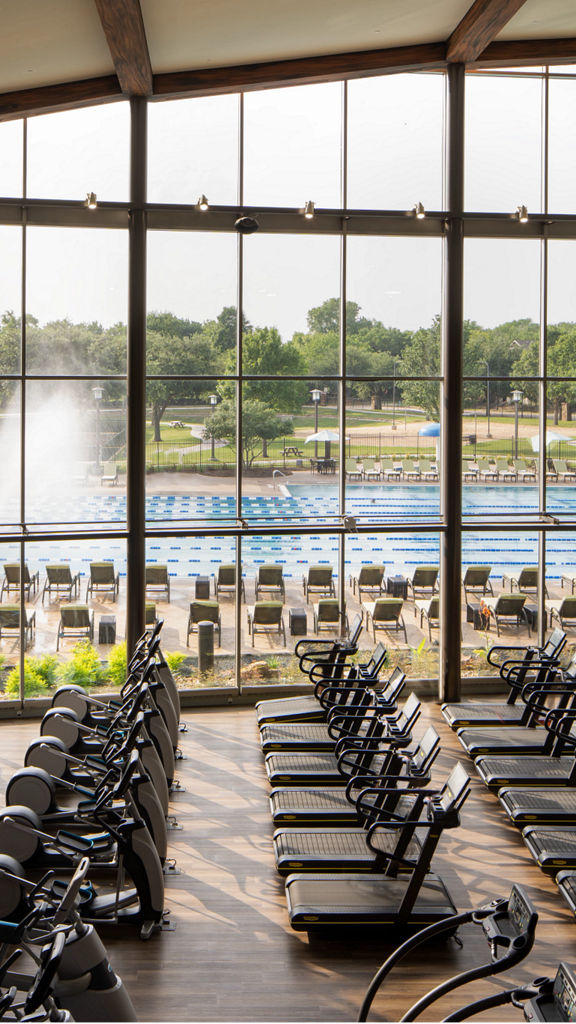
(39, 676)
(117, 666)
(84, 667)
(174, 659)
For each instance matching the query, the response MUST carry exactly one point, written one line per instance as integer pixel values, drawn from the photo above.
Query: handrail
(277, 472)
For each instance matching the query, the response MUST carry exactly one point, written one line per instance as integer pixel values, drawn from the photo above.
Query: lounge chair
(477, 581)
(569, 580)
(429, 610)
(471, 472)
(385, 613)
(225, 582)
(369, 470)
(424, 582)
(150, 616)
(563, 471)
(524, 471)
(270, 578)
(486, 471)
(77, 621)
(266, 617)
(505, 471)
(551, 471)
(10, 622)
(389, 471)
(157, 580)
(110, 476)
(103, 579)
(410, 470)
(11, 581)
(319, 581)
(59, 580)
(507, 608)
(428, 471)
(369, 579)
(204, 611)
(352, 469)
(564, 611)
(525, 583)
(327, 616)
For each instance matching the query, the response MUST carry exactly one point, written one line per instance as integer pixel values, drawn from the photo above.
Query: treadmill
(524, 806)
(557, 770)
(537, 665)
(520, 739)
(552, 848)
(408, 902)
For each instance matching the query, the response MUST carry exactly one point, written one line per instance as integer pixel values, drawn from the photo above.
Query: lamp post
(516, 398)
(394, 397)
(488, 434)
(98, 392)
(316, 399)
(213, 404)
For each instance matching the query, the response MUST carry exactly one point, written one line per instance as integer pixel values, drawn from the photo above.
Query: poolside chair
(270, 578)
(369, 470)
(505, 471)
(428, 471)
(410, 470)
(485, 470)
(319, 581)
(424, 581)
(266, 617)
(570, 581)
(59, 580)
(225, 582)
(551, 470)
(385, 613)
(150, 616)
(158, 580)
(110, 476)
(507, 608)
(11, 581)
(525, 583)
(10, 622)
(471, 472)
(369, 579)
(352, 469)
(429, 610)
(477, 581)
(327, 616)
(563, 610)
(77, 621)
(103, 579)
(563, 471)
(389, 471)
(524, 471)
(204, 611)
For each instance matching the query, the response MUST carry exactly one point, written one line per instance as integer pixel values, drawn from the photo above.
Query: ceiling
(58, 52)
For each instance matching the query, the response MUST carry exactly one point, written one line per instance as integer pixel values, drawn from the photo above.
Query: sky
(292, 154)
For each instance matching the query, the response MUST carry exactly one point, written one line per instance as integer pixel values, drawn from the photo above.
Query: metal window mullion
(23, 366)
(342, 420)
(543, 363)
(239, 461)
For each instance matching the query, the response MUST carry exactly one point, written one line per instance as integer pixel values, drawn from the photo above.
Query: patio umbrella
(431, 430)
(324, 435)
(551, 436)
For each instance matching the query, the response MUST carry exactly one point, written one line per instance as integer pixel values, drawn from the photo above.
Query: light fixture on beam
(203, 203)
(522, 214)
(309, 210)
(419, 211)
(91, 200)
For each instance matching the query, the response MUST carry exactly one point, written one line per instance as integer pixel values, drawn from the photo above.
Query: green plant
(273, 662)
(39, 676)
(174, 659)
(84, 667)
(117, 666)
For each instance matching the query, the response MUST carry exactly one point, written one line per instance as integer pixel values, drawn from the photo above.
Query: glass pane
(11, 165)
(75, 452)
(561, 587)
(503, 143)
(560, 454)
(561, 297)
(291, 292)
(11, 299)
(77, 297)
(192, 305)
(500, 466)
(395, 125)
(193, 150)
(292, 146)
(78, 151)
(10, 442)
(562, 147)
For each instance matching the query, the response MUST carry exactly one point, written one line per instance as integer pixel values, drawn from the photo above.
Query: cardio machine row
(83, 842)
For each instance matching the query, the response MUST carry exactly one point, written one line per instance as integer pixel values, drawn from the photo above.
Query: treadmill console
(555, 1001)
(513, 923)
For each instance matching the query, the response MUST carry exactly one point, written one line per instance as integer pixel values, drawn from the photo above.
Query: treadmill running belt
(552, 848)
(542, 805)
(302, 735)
(270, 710)
(301, 768)
(520, 738)
(317, 900)
(497, 772)
(334, 850)
(459, 716)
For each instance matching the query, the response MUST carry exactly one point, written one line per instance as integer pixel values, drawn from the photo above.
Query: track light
(203, 203)
(91, 201)
(521, 214)
(309, 210)
(419, 211)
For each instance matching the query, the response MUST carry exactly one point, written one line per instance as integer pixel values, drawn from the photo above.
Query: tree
(175, 326)
(264, 352)
(222, 331)
(174, 357)
(326, 318)
(260, 424)
(421, 358)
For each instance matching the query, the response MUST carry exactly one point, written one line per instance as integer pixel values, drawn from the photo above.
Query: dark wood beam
(528, 53)
(479, 26)
(124, 30)
(58, 97)
(324, 68)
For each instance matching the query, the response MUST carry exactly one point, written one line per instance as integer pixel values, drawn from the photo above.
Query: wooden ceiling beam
(49, 98)
(301, 71)
(126, 37)
(479, 27)
(528, 53)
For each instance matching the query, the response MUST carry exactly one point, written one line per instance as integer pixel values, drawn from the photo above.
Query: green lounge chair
(389, 471)
(157, 580)
(60, 581)
(319, 581)
(429, 610)
(525, 583)
(424, 581)
(266, 617)
(507, 608)
(385, 613)
(270, 579)
(328, 617)
(410, 470)
(352, 469)
(505, 471)
(103, 579)
(225, 582)
(564, 611)
(369, 579)
(370, 471)
(204, 611)
(11, 581)
(486, 471)
(10, 623)
(75, 621)
(477, 581)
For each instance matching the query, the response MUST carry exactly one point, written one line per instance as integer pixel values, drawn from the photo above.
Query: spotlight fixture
(91, 201)
(309, 210)
(522, 214)
(203, 203)
(246, 225)
(419, 211)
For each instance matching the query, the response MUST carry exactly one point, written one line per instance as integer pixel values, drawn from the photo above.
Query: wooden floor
(232, 955)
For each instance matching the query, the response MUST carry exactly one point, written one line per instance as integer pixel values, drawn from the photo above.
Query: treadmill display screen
(519, 910)
(565, 992)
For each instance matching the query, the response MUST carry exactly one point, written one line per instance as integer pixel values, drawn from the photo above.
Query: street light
(316, 393)
(98, 392)
(516, 398)
(394, 397)
(488, 434)
(213, 403)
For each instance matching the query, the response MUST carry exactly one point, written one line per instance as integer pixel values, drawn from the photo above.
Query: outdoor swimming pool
(399, 552)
